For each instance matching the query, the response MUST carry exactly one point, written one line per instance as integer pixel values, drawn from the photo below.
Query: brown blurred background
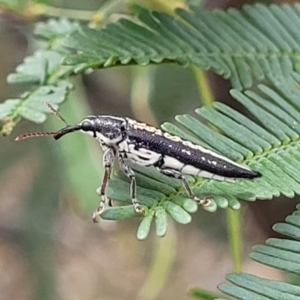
(49, 247)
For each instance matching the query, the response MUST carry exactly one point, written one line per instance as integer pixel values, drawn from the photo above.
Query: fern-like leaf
(37, 69)
(44, 71)
(255, 43)
(283, 254)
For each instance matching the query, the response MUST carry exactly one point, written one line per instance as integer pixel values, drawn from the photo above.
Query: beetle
(144, 145)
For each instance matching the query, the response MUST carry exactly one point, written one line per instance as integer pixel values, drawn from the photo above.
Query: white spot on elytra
(186, 151)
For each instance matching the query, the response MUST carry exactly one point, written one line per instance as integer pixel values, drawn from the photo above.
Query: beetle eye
(86, 126)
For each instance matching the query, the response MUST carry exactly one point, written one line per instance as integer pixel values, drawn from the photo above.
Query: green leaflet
(144, 227)
(177, 213)
(54, 29)
(37, 68)
(161, 221)
(278, 253)
(119, 212)
(247, 286)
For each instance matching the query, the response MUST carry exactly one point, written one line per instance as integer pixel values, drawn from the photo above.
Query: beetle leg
(130, 174)
(175, 174)
(108, 159)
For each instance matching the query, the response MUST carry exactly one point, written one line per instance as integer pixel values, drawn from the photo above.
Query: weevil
(128, 140)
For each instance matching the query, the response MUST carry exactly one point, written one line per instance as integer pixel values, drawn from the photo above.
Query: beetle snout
(66, 130)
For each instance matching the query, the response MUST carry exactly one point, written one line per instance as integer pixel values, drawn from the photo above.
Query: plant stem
(51, 11)
(234, 228)
(205, 92)
(167, 6)
(36, 10)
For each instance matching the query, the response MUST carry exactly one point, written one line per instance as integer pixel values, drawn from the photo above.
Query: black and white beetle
(144, 145)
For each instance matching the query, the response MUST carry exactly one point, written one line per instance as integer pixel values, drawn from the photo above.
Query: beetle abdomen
(186, 157)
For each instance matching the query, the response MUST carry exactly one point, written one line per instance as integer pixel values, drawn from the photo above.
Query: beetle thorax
(106, 129)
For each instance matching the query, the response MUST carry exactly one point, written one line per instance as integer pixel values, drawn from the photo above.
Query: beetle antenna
(57, 113)
(34, 134)
(40, 134)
